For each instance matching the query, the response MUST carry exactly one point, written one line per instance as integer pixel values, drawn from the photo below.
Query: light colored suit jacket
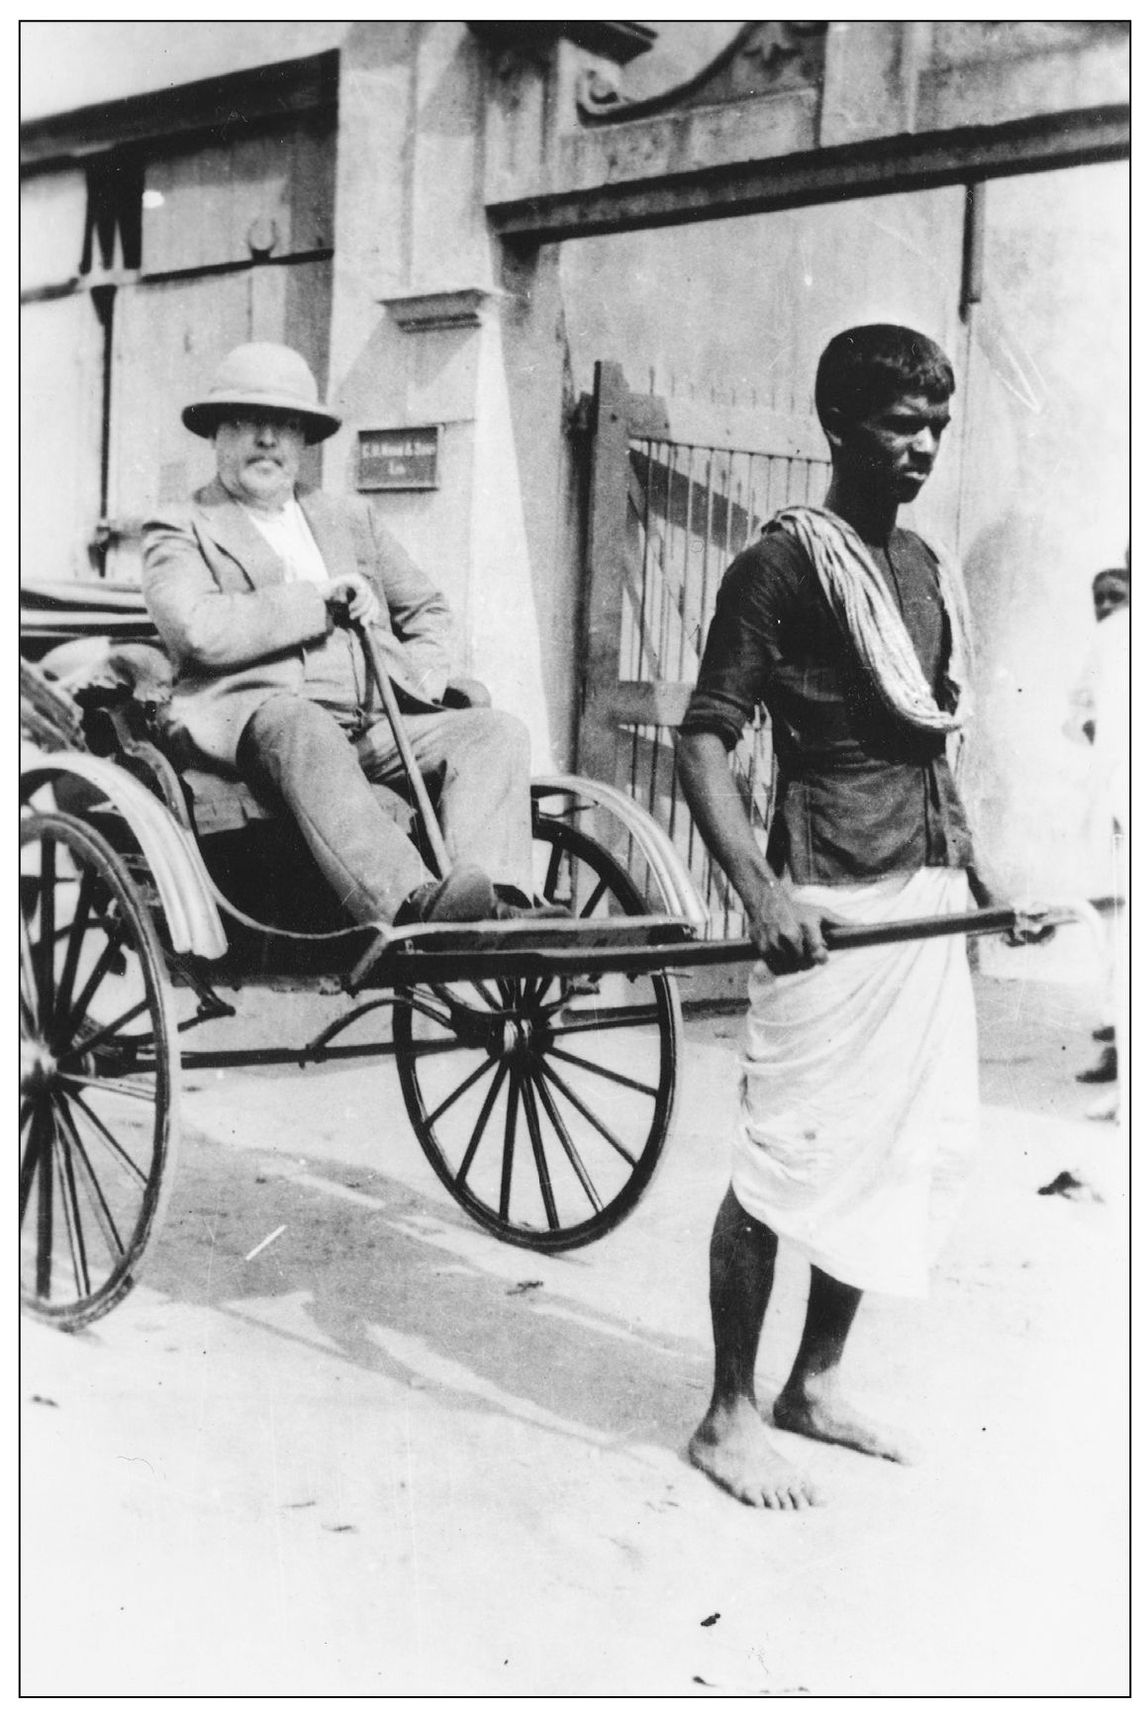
(237, 630)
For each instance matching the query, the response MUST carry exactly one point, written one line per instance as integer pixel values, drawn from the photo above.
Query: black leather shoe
(466, 895)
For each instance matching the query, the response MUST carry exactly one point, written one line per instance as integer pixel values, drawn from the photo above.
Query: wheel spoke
(110, 1085)
(93, 1148)
(469, 1082)
(455, 1002)
(30, 985)
(549, 888)
(595, 898)
(482, 1120)
(73, 1221)
(539, 988)
(117, 1148)
(102, 965)
(604, 1071)
(542, 1164)
(507, 1152)
(102, 1211)
(601, 1128)
(106, 1031)
(44, 1210)
(76, 932)
(33, 1149)
(441, 1018)
(47, 946)
(567, 1143)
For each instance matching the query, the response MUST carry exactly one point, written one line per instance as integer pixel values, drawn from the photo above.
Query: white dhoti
(859, 1105)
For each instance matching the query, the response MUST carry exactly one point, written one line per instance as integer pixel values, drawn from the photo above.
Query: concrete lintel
(225, 103)
(425, 312)
(882, 166)
(758, 128)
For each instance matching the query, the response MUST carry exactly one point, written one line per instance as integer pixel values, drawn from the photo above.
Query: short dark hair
(865, 368)
(1120, 573)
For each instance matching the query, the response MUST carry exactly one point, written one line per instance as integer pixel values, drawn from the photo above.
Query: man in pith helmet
(245, 585)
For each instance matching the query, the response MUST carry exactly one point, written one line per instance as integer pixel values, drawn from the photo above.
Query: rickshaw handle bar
(426, 954)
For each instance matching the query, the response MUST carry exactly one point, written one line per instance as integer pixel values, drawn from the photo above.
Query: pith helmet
(262, 377)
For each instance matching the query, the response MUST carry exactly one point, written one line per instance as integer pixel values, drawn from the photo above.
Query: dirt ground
(391, 1456)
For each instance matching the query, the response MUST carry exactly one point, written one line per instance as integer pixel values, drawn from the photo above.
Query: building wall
(725, 320)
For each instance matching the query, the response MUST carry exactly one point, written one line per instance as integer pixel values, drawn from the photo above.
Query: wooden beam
(213, 104)
(604, 595)
(881, 167)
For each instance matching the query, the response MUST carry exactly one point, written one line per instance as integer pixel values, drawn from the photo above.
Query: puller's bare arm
(788, 935)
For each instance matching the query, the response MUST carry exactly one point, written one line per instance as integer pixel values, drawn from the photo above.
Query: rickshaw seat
(218, 801)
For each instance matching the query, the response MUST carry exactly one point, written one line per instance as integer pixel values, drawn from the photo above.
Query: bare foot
(732, 1446)
(833, 1419)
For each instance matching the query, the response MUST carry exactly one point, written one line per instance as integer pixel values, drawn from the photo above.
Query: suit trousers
(321, 764)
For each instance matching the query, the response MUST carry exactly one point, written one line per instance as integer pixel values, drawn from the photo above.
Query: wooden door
(61, 385)
(61, 381)
(141, 270)
(235, 246)
(168, 338)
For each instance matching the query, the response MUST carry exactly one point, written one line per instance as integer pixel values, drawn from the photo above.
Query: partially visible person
(1100, 716)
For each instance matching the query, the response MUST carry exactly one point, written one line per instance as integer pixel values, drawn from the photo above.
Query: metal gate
(666, 518)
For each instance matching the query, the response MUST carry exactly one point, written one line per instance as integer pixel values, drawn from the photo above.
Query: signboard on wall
(395, 458)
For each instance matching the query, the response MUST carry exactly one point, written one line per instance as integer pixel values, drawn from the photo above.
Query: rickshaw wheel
(543, 1103)
(98, 1073)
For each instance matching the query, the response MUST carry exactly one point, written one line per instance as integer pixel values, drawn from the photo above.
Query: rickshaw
(537, 1060)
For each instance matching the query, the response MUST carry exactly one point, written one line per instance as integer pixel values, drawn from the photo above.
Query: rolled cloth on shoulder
(859, 597)
(859, 1113)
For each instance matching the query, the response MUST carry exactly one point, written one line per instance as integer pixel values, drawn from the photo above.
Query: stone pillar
(871, 79)
(417, 341)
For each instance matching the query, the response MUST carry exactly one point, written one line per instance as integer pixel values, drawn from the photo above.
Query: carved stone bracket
(425, 312)
(620, 42)
(762, 59)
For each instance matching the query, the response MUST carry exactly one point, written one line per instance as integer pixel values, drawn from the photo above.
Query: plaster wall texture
(1031, 487)
(410, 220)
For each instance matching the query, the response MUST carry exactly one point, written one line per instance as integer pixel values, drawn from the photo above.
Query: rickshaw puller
(858, 1102)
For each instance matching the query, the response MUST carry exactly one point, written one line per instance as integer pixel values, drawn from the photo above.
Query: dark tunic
(860, 792)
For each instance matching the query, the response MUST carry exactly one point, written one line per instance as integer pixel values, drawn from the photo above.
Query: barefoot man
(858, 1110)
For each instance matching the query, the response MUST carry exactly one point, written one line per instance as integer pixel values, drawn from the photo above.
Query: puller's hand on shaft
(788, 934)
